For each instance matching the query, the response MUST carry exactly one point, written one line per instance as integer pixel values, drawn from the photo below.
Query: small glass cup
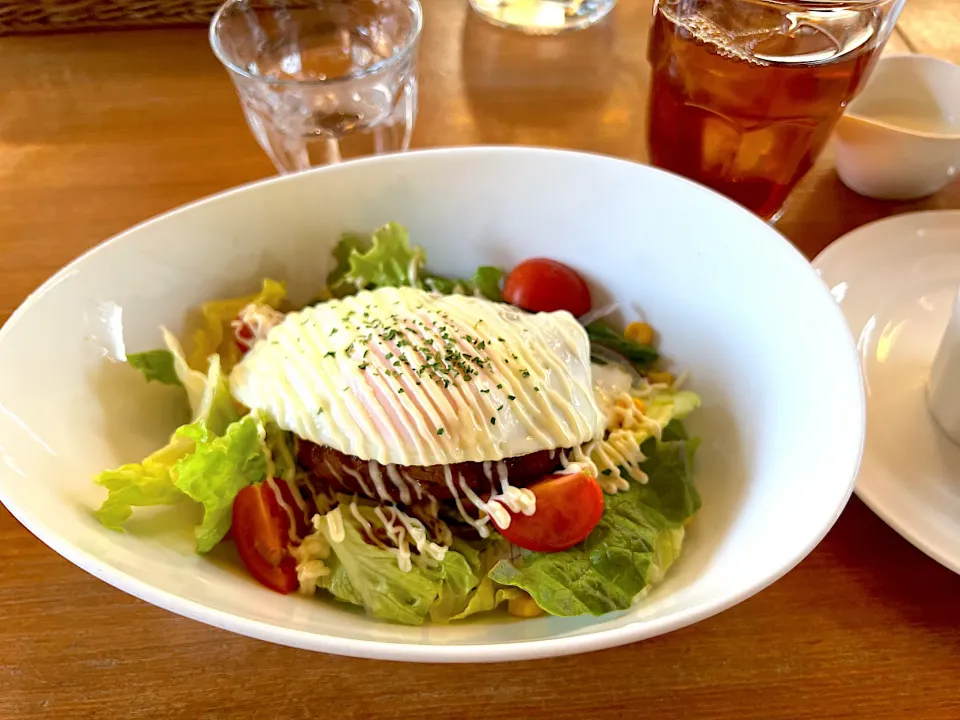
(325, 80)
(543, 17)
(745, 93)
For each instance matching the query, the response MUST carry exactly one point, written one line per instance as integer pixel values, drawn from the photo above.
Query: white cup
(900, 137)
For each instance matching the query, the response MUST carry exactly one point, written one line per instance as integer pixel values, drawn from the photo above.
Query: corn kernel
(640, 404)
(639, 332)
(658, 377)
(523, 606)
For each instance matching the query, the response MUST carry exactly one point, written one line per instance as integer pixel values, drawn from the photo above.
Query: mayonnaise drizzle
(360, 481)
(409, 530)
(417, 487)
(615, 459)
(335, 525)
(477, 525)
(292, 525)
(355, 511)
(256, 319)
(516, 500)
(399, 483)
(377, 477)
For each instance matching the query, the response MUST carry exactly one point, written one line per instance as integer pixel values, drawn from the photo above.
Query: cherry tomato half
(261, 533)
(542, 285)
(568, 509)
(252, 325)
(243, 337)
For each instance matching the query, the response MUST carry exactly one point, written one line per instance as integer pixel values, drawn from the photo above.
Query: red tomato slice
(252, 325)
(243, 337)
(261, 533)
(568, 509)
(542, 285)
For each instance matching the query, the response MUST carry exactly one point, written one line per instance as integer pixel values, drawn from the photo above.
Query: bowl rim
(412, 652)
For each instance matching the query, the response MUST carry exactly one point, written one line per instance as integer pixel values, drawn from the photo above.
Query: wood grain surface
(98, 132)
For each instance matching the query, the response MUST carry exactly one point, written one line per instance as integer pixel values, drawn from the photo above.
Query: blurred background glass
(745, 93)
(322, 81)
(543, 17)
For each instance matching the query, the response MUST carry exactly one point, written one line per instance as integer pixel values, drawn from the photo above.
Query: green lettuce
(386, 259)
(635, 542)
(209, 461)
(488, 595)
(141, 484)
(282, 446)
(194, 382)
(639, 355)
(217, 470)
(156, 365)
(369, 576)
(668, 405)
(487, 280)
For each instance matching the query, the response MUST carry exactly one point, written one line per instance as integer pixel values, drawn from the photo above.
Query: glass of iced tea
(744, 93)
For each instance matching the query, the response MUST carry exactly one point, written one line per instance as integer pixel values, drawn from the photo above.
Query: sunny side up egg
(406, 377)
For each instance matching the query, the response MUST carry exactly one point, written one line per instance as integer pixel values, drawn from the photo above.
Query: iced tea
(745, 93)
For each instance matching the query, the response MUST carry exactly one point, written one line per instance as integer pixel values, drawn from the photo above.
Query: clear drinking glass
(745, 93)
(543, 17)
(325, 80)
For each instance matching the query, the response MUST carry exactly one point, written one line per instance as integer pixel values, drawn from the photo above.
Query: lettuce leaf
(486, 281)
(669, 487)
(488, 595)
(641, 356)
(389, 262)
(636, 541)
(369, 576)
(156, 365)
(386, 259)
(158, 479)
(282, 446)
(193, 381)
(462, 568)
(217, 470)
(141, 484)
(215, 336)
(338, 282)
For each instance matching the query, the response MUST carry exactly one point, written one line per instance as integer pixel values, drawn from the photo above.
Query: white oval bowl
(735, 304)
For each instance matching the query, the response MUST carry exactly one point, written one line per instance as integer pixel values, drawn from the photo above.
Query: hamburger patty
(349, 473)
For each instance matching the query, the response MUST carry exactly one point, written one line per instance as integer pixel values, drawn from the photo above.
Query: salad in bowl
(423, 447)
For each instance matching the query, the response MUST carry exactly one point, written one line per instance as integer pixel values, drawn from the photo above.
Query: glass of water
(322, 81)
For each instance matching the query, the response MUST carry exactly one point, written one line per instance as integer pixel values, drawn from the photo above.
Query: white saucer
(895, 281)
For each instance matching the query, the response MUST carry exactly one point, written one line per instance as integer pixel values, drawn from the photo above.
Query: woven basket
(33, 16)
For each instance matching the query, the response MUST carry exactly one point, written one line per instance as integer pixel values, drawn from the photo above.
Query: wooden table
(100, 131)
